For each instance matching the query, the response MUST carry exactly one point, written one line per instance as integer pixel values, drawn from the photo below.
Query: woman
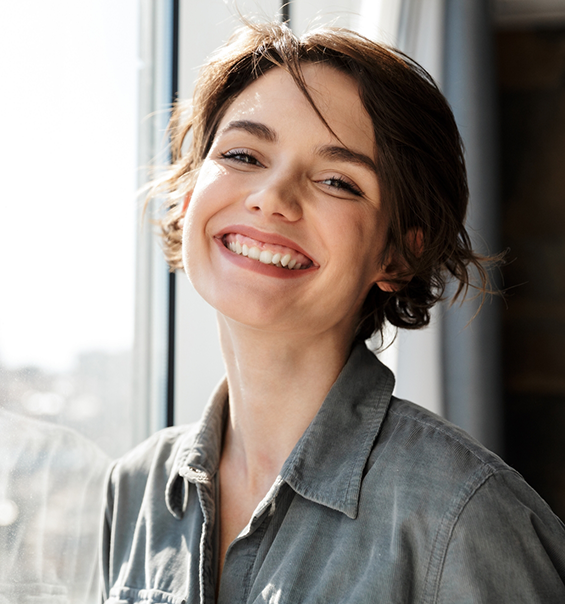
(323, 193)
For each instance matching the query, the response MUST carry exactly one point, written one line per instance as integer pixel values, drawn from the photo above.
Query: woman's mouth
(267, 253)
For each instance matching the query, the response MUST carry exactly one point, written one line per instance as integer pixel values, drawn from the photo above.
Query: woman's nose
(277, 198)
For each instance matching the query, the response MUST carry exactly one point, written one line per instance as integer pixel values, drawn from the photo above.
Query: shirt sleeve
(506, 546)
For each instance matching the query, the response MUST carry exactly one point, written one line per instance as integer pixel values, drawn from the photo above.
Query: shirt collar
(326, 465)
(198, 457)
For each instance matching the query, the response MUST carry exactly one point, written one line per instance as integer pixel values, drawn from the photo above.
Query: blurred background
(100, 346)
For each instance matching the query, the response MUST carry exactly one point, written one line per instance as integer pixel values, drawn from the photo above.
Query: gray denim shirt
(380, 501)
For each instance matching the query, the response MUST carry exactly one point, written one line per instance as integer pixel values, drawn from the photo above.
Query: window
(69, 122)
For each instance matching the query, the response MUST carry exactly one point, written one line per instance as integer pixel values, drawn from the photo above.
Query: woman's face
(285, 227)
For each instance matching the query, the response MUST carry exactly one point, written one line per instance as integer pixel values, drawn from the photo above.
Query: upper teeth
(264, 256)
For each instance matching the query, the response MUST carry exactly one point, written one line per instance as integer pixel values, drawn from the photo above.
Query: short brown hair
(419, 157)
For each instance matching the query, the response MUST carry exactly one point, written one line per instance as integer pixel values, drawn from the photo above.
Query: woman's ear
(185, 202)
(392, 280)
(388, 286)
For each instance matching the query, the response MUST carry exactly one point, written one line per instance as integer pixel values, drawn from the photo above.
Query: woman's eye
(337, 182)
(241, 156)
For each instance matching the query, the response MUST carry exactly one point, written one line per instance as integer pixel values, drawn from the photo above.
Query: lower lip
(258, 267)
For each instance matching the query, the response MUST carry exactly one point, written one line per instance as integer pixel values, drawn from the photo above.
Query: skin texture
(277, 174)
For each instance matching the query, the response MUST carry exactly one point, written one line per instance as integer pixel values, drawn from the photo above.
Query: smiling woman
(283, 179)
(323, 194)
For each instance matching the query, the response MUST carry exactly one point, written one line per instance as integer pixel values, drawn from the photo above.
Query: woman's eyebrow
(334, 152)
(255, 128)
(344, 154)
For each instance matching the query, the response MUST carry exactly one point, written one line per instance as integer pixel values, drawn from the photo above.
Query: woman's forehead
(276, 98)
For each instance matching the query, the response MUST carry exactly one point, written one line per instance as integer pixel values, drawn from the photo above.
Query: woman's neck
(277, 384)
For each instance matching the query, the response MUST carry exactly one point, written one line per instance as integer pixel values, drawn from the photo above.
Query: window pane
(68, 119)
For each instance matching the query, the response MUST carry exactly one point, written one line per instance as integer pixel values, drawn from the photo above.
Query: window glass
(68, 117)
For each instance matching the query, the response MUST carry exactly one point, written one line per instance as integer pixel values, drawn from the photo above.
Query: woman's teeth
(264, 256)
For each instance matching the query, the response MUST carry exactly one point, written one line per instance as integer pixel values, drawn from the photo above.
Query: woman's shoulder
(485, 533)
(430, 468)
(434, 440)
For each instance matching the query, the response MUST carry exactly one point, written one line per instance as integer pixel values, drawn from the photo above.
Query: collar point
(176, 496)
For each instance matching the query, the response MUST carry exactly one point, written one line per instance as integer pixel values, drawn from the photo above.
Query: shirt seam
(157, 596)
(456, 511)
(493, 465)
